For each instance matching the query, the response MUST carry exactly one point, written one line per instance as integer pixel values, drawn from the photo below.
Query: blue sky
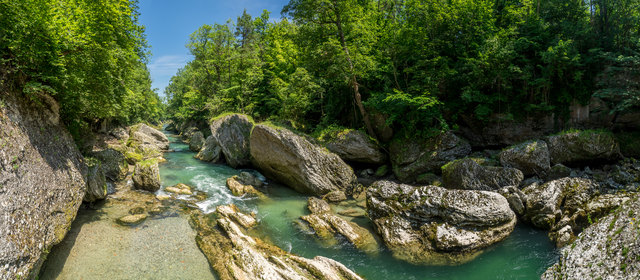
(169, 23)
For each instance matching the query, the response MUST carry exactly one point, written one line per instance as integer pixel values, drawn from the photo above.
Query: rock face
(532, 158)
(42, 183)
(146, 176)
(327, 225)
(608, 249)
(96, 182)
(293, 160)
(148, 139)
(211, 150)
(235, 255)
(356, 146)
(196, 142)
(232, 133)
(113, 163)
(582, 146)
(466, 174)
(433, 225)
(411, 158)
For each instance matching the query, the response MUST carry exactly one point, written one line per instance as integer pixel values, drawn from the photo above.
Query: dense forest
(423, 64)
(89, 55)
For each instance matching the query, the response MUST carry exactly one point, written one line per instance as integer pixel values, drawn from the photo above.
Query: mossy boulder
(196, 142)
(211, 151)
(146, 175)
(147, 139)
(355, 146)
(433, 225)
(467, 174)
(114, 163)
(532, 158)
(411, 157)
(96, 181)
(298, 163)
(608, 249)
(579, 147)
(232, 132)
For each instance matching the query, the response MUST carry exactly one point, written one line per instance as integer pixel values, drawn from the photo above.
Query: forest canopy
(424, 64)
(89, 55)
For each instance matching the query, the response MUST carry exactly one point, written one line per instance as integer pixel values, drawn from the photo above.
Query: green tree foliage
(89, 55)
(426, 64)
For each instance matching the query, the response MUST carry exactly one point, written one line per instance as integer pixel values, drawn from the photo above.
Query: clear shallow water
(525, 254)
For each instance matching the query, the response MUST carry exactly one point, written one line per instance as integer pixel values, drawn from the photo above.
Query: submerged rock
(146, 175)
(433, 225)
(96, 181)
(42, 182)
(180, 189)
(413, 157)
(235, 255)
(131, 220)
(293, 160)
(583, 146)
(196, 142)
(211, 151)
(608, 249)
(532, 158)
(232, 133)
(356, 146)
(468, 175)
(239, 189)
(327, 226)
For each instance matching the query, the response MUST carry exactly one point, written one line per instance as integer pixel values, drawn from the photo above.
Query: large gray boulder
(147, 139)
(96, 181)
(196, 142)
(467, 174)
(413, 157)
(532, 158)
(146, 175)
(433, 225)
(356, 146)
(113, 163)
(211, 151)
(42, 183)
(232, 133)
(582, 147)
(293, 160)
(608, 249)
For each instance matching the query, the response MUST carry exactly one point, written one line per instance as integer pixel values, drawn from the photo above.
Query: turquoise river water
(165, 248)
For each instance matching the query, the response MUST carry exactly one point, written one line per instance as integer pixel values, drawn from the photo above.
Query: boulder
(608, 249)
(582, 147)
(132, 220)
(467, 174)
(532, 158)
(433, 225)
(233, 254)
(196, 142)
(42, 182)
(335, 196)
(179, 189)
(232, 133)
(146, 175)
(558, 171)
(96, 181)
(412, 157)
(113, 163)
(293, 160)
(211, 151)
(232, 212)
(147, 140)
(356, 146)
(120, 133)
(516, 198)
(328, 226)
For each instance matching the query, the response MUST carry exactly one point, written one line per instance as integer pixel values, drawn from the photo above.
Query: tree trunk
(353, 78)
